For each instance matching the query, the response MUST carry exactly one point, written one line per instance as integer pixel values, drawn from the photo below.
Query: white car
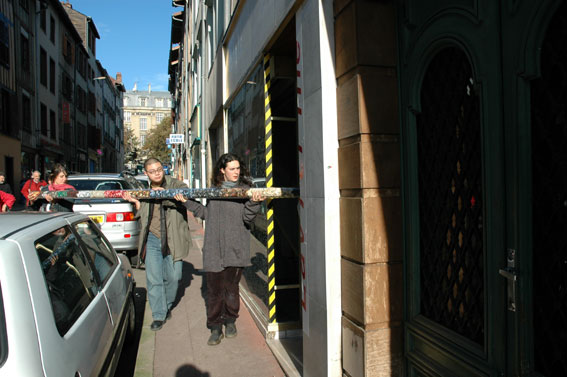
(114, 216)
(66, 305)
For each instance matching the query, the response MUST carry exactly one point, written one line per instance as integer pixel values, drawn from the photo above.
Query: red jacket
(30, 185)
(7, 199)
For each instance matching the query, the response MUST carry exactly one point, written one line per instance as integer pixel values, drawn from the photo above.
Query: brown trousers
(223, 299)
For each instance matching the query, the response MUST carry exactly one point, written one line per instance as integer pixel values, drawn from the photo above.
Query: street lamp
(99, 78)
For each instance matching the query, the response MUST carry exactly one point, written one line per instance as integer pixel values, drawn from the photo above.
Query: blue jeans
(161, 279)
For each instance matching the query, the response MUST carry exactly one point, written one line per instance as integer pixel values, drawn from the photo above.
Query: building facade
(427, 140)
(49, 91)
(143, 111)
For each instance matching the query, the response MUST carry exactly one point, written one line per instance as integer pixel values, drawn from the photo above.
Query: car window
(98, 184)
(68, 276)
(3, 335)
(132, 182)
(100, 254)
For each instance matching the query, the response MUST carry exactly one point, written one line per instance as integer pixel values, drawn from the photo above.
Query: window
(126, 101)
(143, 101)
(68, 276)
(4, 42)
(97, 249)
(52, 75)
(143, 124)
(43, 20)
(25, 6)
(159, 117)
(92, 103)
(26, 113)
(127, 116)
(159, 102)
(43, 113)
(68, 49)
(43, 67)
(142, 140)
(67, 86)
(52, 29)
(25, 53)
(52, 125)
(5, 111)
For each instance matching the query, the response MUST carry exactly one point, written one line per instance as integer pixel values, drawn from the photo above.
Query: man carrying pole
(165, 240)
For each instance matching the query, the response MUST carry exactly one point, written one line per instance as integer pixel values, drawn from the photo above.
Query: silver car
(66, 304)
(114, 216)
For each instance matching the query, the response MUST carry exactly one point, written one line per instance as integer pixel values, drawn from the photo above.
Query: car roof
(95, 175)
(11, 222)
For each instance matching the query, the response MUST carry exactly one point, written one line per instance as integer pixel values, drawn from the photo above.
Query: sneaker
(215, 338)
(230, 331)
(156, 325)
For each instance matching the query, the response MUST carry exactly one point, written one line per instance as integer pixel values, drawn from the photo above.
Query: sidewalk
(180, 348)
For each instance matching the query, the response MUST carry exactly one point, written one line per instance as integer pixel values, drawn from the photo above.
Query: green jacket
(178, 233)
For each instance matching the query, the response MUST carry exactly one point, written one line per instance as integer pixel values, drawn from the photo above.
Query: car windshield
(99, 184)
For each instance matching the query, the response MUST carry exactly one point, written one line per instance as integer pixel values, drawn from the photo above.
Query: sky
(135, 37)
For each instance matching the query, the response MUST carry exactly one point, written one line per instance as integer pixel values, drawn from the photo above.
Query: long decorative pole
(188, 193)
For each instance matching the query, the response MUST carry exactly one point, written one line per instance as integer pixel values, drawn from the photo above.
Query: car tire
(132, 257)
(131, 325)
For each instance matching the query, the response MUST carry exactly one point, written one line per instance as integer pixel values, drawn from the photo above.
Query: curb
(145, 358)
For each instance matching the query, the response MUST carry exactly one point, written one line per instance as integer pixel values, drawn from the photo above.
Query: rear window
(99, 185)
(3, 335)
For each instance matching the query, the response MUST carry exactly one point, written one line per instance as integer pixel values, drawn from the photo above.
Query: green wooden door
(483, 88)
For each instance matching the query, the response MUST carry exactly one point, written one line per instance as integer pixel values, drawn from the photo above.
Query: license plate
(99, 219)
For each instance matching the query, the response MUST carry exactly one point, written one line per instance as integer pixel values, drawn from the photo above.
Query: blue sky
(134, 38)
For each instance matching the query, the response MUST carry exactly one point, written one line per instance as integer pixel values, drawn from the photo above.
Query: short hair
(151, 160)
(2, 173)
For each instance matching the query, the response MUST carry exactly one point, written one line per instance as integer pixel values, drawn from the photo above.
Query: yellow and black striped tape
(269, 183)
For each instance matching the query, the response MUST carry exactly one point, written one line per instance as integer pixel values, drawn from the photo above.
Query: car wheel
(132, 257)
(131, 326)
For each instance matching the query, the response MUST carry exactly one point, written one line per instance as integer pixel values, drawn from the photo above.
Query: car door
(105, 262)
(74, 325)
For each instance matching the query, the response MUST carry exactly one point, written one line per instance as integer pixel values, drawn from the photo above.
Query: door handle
(511, 275)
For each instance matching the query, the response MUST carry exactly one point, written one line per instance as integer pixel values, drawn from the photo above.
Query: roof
(11, 222)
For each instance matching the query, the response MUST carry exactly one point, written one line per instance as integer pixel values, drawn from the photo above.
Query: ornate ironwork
(450, 197)
(549, 188)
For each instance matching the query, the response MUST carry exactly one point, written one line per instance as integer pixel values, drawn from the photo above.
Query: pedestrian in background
(4, 186)
(57, 182)
(226, 247)
(6, 201)
(165, 240)
(33, 184)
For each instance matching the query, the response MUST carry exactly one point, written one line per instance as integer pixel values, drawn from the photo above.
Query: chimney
(135, 86)
(119, 77)
(149, 87)
(67, 4)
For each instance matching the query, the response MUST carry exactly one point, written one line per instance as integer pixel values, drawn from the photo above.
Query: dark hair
(223, 160)
(2, 173)
(151, 160)
(56, 170)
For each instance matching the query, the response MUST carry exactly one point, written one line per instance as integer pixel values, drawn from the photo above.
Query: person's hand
(33, 195)
(127, 196)
(4, 208)
(180, 198)
(257, 197)
(49, 198)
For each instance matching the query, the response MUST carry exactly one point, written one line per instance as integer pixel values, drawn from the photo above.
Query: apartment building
(144, 110)
(48, 91)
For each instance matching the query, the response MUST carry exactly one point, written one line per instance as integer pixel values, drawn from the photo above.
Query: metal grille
(549, 167)
(450, 197)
